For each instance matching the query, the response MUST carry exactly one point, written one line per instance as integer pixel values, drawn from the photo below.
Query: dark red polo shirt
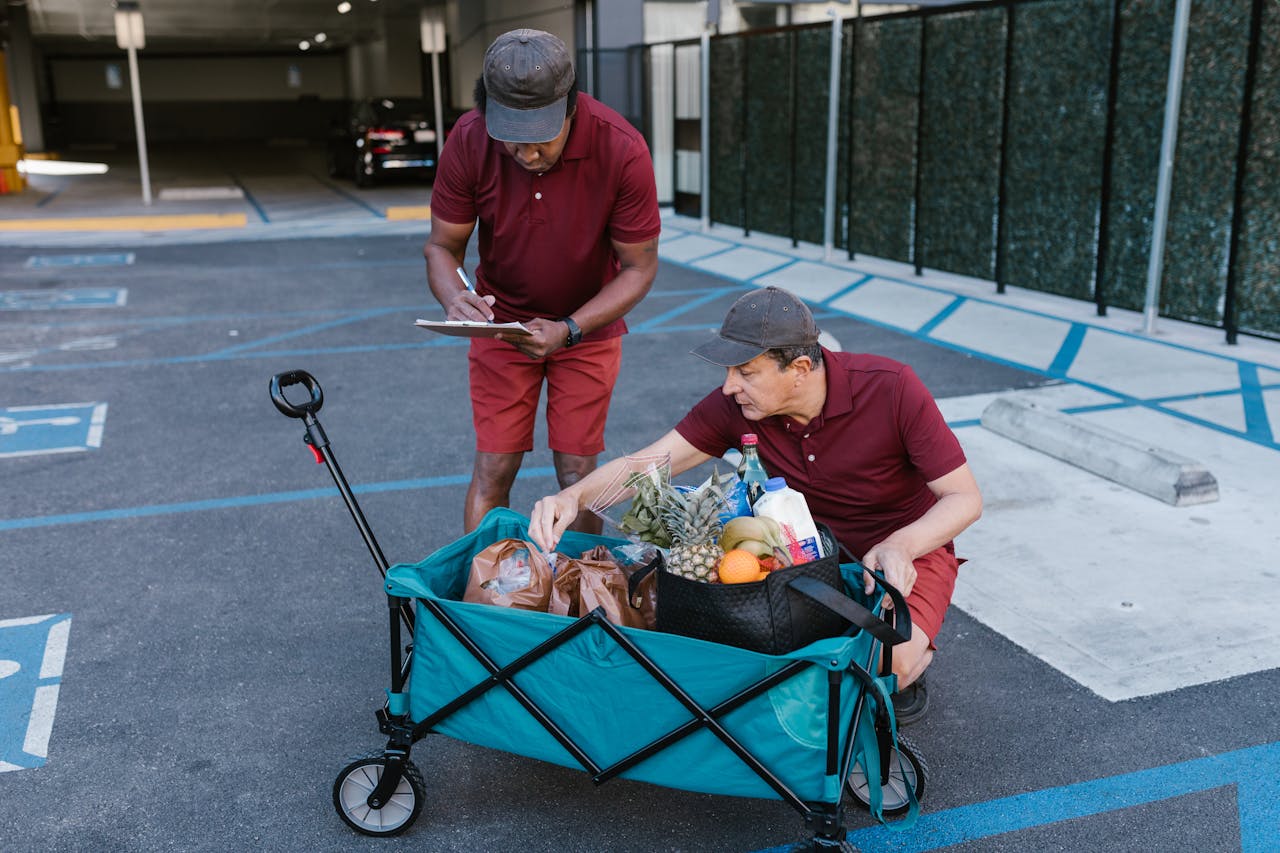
(545, 240)
(863, 463)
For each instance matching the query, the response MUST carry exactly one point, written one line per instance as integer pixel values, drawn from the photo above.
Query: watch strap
(575, 332)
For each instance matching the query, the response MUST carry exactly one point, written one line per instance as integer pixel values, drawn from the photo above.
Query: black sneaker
(910, 703)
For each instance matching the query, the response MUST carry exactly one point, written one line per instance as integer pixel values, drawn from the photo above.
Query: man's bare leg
(491, 480)
(569, 470)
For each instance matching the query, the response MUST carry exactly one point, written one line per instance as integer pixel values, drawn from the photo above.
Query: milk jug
(788, 507)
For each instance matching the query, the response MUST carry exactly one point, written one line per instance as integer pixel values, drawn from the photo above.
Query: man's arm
(445, 250)
(554, 513)
(959, 505)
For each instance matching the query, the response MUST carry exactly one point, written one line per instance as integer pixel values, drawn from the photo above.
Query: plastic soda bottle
(789, 508)
(750, 471)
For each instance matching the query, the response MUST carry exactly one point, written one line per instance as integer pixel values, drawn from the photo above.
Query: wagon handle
(281, 381)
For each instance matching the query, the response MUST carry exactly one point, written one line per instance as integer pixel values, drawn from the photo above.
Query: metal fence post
(915, 213)
(1108, 151)
(1230, 319)
(1002, 229)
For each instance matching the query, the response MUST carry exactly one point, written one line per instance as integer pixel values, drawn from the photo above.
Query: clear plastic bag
(647, 473)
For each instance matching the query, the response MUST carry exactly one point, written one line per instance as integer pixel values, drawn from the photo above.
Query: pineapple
(692, 520)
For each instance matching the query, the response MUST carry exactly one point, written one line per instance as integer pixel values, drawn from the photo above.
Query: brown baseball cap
(527, 78)
(761, 320)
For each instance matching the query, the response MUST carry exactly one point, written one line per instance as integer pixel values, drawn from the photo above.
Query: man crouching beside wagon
(858, 435)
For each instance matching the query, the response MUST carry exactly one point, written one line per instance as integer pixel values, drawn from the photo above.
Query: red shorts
(506, 385)
(929, 598)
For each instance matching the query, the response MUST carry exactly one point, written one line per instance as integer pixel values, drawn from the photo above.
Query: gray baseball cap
(527, 78)
(761, 320)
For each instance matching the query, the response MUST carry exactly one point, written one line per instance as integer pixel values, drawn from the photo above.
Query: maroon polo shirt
(863, 463)
(545, 240)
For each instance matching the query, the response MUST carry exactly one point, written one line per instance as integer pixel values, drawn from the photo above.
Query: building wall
(196, 98)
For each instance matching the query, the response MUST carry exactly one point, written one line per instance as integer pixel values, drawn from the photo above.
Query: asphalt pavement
(199, 633)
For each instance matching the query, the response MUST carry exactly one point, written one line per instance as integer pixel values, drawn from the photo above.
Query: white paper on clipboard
(472, 328)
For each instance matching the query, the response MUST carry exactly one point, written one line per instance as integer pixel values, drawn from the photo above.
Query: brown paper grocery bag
(596, 580)
(510, 573)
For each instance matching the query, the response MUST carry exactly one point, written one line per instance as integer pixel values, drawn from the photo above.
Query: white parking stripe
(40, 728)
(55, 650)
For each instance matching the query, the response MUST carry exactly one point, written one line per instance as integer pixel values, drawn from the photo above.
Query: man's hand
(550, 518)
(548, 336)
(469, 305)
(894, 563)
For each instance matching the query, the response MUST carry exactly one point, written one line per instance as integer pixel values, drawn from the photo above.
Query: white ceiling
(60, 26)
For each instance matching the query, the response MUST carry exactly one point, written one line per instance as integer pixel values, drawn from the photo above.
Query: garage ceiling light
(344, 7)
(320, 38)
(304, 45)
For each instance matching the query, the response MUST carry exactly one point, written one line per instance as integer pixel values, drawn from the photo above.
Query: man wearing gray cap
(858, 435)
(563, 190)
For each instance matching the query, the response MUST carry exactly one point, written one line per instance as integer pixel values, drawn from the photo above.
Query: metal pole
(919, 156)
(704, 140)
(1002, 192)
(833, 117)
(1108, 153)
(853, 125)
(1230, 317)
(1168, 145)
(136, 88)
(791, 139)
(439, 105)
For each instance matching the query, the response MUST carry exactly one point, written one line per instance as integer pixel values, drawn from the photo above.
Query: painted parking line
(46, 300)
(32, 652)
(170, 222)
(252, 500)
(112, 259)
(65, 428)
(1254, 773)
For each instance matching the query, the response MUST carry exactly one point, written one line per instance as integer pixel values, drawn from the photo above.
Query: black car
(383, 137)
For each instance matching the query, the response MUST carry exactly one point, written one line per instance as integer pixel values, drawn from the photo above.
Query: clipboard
(472, 328)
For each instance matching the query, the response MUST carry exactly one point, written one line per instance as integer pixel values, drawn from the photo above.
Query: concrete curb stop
(1162, 474)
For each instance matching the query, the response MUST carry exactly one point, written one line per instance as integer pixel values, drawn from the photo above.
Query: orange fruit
(738, 566)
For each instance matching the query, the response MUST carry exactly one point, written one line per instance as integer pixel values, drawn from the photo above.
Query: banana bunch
(755, 533)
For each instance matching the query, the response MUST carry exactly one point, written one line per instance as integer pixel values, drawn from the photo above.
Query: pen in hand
(485, 301)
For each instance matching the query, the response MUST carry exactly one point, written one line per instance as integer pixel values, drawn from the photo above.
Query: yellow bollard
(11, 180)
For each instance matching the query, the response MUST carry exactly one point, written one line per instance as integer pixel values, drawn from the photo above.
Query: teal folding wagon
(615, 701)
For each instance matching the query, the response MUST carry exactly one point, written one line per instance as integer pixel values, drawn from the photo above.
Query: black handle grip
(281, 381)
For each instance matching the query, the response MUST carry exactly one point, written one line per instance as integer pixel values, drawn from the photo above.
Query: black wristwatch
(575, 333)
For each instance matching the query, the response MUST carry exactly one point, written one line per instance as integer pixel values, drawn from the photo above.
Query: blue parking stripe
(250, 500)
(1254, 772)
(1069, 350)
(305, 330)
(941, 316)
(1257, 425)
(248, 196)
(682, 309)
(847, 290)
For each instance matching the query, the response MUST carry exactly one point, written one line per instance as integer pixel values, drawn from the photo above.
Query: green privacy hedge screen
(973, 140)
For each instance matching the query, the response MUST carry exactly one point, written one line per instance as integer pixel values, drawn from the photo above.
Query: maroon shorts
(929, 598)
(506, 385)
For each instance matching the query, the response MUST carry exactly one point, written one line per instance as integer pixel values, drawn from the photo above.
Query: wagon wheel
(907, 772)
(358, 779)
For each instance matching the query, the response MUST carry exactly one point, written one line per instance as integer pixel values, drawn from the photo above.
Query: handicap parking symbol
(63, 428)
(32, 652)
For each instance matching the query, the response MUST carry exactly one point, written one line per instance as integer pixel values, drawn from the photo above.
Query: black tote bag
(773, 616)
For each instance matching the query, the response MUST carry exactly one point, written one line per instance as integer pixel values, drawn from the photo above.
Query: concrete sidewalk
(1125, 594)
